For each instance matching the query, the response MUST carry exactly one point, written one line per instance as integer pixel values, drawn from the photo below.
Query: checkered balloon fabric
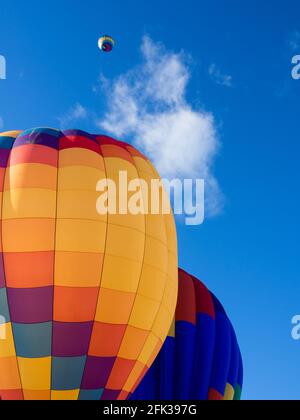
(87, 299)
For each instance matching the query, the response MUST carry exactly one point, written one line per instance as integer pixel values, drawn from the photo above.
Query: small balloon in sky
(106, 43)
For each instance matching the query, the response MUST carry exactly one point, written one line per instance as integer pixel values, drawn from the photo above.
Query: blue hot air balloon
(200, 359)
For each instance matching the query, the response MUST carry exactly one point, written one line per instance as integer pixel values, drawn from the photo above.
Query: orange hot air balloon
(86, 300)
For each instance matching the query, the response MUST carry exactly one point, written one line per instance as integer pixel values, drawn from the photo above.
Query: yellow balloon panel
(144, 313)
(80, 235)
(65, 395)
(79, 178)
(150, 283)
(29, 203)
(31, 175)
(35, 373)
(7, 348)
(113, 274)
(78, 269)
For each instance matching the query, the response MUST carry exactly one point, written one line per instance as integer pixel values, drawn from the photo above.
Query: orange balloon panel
(86, 299)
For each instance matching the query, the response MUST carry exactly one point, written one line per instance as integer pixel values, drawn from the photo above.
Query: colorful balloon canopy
(87, 299)
(106, 43)
(200, 359)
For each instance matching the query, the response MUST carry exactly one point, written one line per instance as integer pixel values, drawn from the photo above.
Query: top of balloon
(106, 43)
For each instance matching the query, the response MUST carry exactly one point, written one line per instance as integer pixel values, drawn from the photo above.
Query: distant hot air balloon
(106, 43)
(200, 359)
(87, 299)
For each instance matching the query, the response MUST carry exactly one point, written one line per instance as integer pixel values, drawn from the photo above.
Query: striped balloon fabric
(200, 359)
(86, 300)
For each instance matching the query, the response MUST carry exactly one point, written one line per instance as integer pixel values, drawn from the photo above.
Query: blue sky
(238, 59)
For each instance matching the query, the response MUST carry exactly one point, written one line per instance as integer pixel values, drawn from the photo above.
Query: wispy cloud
(219, 77)
(1, 123)
(75, 114)
(149, 105)
(295, 41)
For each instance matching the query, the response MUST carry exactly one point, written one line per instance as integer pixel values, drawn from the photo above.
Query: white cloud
(295, 41)
(76, 113)
(149, 105)
(1, 123)
(220, 78)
